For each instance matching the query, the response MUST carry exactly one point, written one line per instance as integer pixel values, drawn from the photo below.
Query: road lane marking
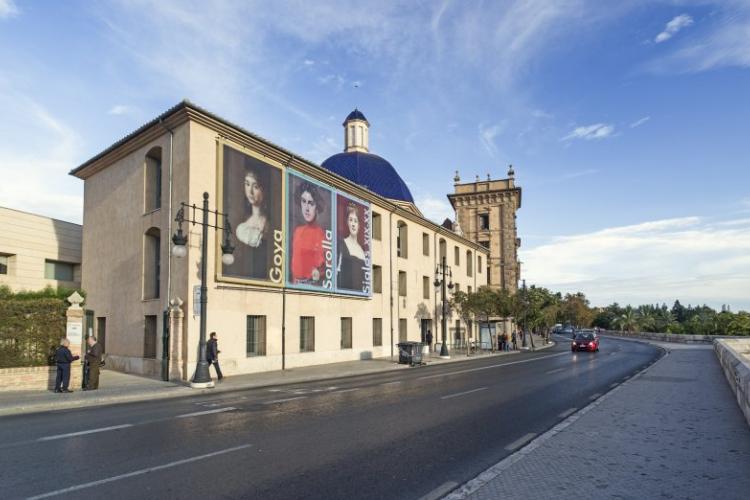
(283, 400)
(207, 412)
(520, 442)
(463, 393)
(346, 390)
(568, 413)
(493, 366)
(554, 371)
(138, 472)
(392, 383)
(81, 433)
(440, 491)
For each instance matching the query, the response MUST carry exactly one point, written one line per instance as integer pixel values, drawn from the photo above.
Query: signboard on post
(74, 333)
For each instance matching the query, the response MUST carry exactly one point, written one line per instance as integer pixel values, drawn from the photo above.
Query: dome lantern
(356, 133)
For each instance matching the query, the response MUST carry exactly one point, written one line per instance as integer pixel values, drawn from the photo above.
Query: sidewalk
(116, 387)
(672, 431)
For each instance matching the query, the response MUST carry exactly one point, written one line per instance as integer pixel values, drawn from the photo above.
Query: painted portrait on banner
(353, 259)
(310, 234)
(252, 197)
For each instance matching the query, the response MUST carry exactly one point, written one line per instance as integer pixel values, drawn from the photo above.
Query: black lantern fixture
(441, 272)
(202, 377)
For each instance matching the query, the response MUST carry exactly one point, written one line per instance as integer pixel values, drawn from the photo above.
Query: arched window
(152, 184)
(151, 263)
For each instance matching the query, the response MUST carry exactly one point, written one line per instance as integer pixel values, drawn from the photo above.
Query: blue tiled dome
(356, 115)
(370, 171)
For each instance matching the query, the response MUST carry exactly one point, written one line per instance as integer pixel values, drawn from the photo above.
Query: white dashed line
(463, 393)
(90, 431)
(207, 412)
(283, 400)
(346, 390)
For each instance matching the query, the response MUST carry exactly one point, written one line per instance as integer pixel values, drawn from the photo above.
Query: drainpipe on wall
(390, 271)
(165, 331)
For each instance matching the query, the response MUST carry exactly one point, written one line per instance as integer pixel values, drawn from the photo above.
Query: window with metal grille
(377, 332)
(256, 336)
(307, 333)
(346, 333)
(149, 337)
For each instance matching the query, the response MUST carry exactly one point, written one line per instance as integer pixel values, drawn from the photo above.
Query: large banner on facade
(353, 246)
(252, 196)
(310, 230)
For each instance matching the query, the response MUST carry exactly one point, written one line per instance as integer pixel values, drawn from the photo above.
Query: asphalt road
(410, 434)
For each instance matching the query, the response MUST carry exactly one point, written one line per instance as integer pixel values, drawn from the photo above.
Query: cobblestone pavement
(673, 431)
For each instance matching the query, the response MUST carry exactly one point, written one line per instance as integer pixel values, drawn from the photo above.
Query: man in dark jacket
(63, 358)
(428, 338)
(212, 354)
(93, 361)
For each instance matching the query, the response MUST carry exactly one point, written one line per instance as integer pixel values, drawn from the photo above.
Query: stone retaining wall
(41, 378)
(669, 337)
(734, 357)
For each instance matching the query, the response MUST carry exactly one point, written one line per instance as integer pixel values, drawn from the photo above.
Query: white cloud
(120, 109)
(308, 62)
(589, 132)
(640, 122)
(673, 26)
(573, 175)
(487, 135)
(691, 259)
(8, 9)
(435, 209)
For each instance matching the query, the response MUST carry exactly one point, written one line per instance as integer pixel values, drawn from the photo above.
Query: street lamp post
(440, 273)
(202, 377)
(523, 298)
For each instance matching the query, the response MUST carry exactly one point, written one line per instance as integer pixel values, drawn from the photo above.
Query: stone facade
(486, 214)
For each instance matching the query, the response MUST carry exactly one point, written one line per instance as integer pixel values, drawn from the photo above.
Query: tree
(575, 309)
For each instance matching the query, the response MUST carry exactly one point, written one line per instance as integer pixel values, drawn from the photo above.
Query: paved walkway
(116, 387)
(673, 431)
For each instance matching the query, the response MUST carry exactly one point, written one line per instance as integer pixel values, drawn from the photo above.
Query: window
(425, 244)
(469, 263)
(101, 333)
(456, 256)
(307, 334)
(149, 337)
(151, 264)
(456, 288)
(402, 241)
(443, 250)
(377, 279)
(377, 332)
(425, 287)
(402, 283)
(402, 330)
(469, 289)
(346, 333)
(152, 186)
(458, 330)
(3, 264)
(479, 264)
(376, 226)
(256, 336)
(60, 271)
(484, 222)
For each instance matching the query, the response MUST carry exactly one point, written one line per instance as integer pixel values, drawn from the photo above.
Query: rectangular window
(377, 279)
(469, 289)
(377, 332)
(402, 336)
(456, 256)
(346, 333)
(469, 264)
(425, 287)
(479, 264)
(149, 337)
(458, 330)
(256, 336)
(456, 288)
(3, 264)
(101, 333)
(484, 222)
(60, 271)
(402, 283)
(307, 334)
(402, 241)
(376, 231)
(425, 244)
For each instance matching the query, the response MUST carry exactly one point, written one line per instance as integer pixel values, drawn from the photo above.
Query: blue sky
(626, 121)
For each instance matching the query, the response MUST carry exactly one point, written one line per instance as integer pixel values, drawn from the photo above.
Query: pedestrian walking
(93, 360)
(514, 339)
(63, 358)
(506, 343)
(428, 338)
(212, 354)
(500, 342)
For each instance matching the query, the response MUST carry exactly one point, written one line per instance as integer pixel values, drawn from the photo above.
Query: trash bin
(410, 353)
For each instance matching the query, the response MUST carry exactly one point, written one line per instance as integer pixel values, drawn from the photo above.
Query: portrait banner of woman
(252, 195)
(311, 246)
(353, 259)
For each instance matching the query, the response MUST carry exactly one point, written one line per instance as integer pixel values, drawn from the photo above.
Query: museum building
(305, 264)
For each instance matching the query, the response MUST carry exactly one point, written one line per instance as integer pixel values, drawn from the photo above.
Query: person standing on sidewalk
(212, 354)
(63, 358)
(93, 361)
(428, 338)
(514, 339)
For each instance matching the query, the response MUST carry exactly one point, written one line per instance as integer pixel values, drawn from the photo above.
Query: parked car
(585, 340)
(568, 330)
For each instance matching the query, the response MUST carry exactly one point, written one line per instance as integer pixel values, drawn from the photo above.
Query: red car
(585, 341)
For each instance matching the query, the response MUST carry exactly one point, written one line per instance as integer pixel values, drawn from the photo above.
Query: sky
(626, 122)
